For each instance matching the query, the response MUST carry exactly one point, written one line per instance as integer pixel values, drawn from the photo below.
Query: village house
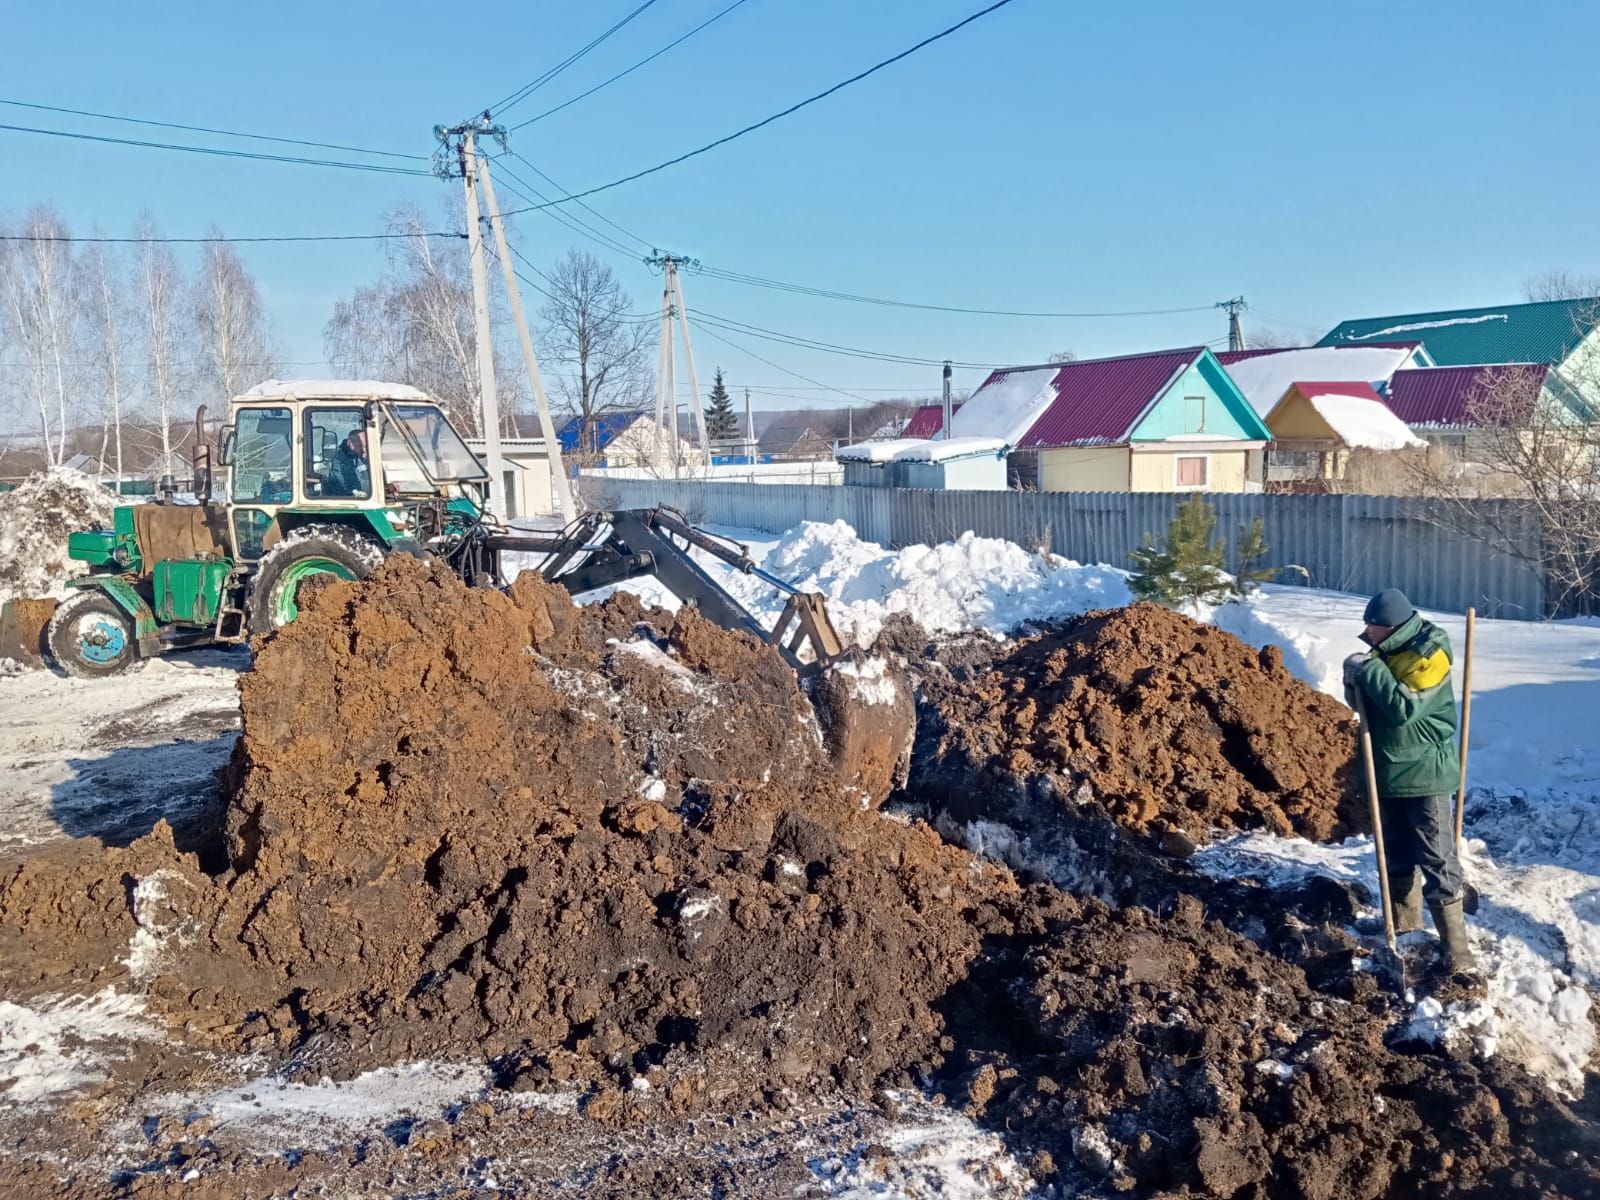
(628, 438)
(1169, 421)
(1317, 425)
(1453, 406)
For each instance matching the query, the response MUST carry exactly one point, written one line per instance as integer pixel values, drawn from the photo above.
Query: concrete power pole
(1235, 331)
(489, 397)
(672, 303)
(749, 426)
(948, 411)
(547, 426)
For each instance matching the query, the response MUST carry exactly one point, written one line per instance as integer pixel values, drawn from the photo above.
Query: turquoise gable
(1202, 400)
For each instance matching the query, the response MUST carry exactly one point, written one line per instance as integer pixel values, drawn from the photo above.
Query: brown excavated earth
(599, 845)
(1163, 721)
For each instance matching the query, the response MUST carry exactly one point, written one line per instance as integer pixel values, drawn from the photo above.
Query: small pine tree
(721, 422)
(1190, 566)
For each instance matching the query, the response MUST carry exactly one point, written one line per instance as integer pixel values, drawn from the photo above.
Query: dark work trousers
(1419, 831)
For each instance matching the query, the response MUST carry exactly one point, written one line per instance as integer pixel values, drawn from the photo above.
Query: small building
(942, 464)
(627, 438)
(1168, 421)
(1316, 425)
(1452, 406)
(527, 489)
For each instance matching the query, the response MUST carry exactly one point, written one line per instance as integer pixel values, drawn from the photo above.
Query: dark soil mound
(1155, 717)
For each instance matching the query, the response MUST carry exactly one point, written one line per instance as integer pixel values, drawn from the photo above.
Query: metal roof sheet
(1446, 395)
(1098, 400)
(1545, 332)
(927, 421)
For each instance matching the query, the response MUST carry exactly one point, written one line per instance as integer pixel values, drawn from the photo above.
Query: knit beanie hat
(1389, 607)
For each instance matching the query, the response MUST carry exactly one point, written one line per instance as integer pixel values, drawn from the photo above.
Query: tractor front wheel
(90, 637)
(309, 553)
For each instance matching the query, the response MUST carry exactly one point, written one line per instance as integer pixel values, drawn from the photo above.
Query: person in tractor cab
(1402, 689)
(349, 472)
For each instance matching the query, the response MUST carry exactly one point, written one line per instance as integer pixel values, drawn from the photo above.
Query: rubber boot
(1452, 927)
(1405, 893)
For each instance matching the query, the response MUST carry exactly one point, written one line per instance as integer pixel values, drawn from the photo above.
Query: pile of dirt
(1165, 723)
(35, 519)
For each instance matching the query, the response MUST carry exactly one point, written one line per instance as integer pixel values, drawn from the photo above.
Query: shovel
(1388, 961)
(1469, 894)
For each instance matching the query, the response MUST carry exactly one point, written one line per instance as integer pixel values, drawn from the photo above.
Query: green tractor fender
(145, 626)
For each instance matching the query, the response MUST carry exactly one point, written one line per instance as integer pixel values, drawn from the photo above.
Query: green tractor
(322, 479)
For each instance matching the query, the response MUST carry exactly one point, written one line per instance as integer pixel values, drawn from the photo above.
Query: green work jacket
(1405, 686)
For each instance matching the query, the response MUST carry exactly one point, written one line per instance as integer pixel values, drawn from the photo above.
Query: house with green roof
(1564, 334)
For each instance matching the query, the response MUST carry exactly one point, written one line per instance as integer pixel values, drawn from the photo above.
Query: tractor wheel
(317, 550)
(90, 636)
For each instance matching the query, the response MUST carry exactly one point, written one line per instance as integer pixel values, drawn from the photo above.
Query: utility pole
(1235, 331)
(948, 413)
(489, 397)
(749, 427)
(672, 302)
(547, 426)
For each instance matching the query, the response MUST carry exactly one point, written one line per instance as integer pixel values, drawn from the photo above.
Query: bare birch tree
(600, 345)
(105, 301)
(233, 344)
(1561, 284)
(38, 284)
(161, 291)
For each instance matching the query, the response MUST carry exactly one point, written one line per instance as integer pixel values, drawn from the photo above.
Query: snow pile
(1414, 326)
(870, 680)
(1265, 378)
(35, 521)
(970, 583)
(1364, 424)
(920, 449)
(1007, 407)
(64, 1042)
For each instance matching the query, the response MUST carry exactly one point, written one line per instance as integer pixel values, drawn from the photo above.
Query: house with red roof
(1319, 423)
(1450, 405)
(927, 421)
(1168, 421)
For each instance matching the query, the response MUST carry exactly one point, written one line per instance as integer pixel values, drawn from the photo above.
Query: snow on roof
(920, 449)
(335, 389)
(1006, 406)
(1265, 378)
(1413, 326)
(1360, 417)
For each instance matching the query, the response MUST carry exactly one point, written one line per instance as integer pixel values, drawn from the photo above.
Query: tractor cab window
(422, 433)
(263, 456)
(338, 464)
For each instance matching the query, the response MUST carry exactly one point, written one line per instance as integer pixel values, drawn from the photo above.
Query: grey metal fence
(1344, 543)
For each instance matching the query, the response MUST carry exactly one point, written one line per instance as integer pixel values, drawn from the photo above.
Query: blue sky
(1322, 161)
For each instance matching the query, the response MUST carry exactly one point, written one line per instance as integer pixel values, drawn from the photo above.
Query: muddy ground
(610, 859)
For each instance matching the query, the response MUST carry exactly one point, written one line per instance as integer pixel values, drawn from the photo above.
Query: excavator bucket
(868, 713)
(22, 626)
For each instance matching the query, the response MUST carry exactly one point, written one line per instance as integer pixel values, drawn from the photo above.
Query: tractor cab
(353, 452)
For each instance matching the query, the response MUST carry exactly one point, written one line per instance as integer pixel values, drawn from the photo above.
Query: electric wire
(378, 168)
(596, 212)
(620, 74)
(793, 108)
(258, 137)
(191, 241)
(527, 89)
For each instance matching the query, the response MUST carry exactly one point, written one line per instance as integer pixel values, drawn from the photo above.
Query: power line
(576, 224)
(596, 212)
(793, 108)
(651, 58)
(805, 343)
(824, 293)
(280, 158)
(527, 89)
(777, 367)
(140, 241)
(259, 137)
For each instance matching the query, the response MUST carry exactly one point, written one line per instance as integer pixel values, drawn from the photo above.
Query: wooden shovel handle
(1466, 722)
(1377, 819)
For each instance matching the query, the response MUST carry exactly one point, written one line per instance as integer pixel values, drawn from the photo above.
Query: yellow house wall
(1295, 418)
(1156, 471)
(1084, 469)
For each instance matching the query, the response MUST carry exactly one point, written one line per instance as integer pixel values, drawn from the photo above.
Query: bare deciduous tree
(37, 279)
(1529, 442)
(1266, 338)
(1561, 284)
(599, 347)
(233, 343)
(161, 292)
(105, 302)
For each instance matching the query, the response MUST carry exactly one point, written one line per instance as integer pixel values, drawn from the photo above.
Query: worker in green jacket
(1402, 689)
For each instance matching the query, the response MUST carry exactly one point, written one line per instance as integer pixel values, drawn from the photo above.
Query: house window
(1191, 471)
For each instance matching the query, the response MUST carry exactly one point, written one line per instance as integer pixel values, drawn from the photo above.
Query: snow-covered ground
(108, 757)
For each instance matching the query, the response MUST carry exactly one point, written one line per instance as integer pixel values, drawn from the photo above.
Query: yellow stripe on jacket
(1419, 672)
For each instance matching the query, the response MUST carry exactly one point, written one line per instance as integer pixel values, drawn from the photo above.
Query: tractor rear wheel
(317, 551)
(90, 637)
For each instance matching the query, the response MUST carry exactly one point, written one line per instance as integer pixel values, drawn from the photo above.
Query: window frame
(1177, 472)
(308, 453)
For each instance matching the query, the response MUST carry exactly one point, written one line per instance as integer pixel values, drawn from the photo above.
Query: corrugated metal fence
(1345, 543)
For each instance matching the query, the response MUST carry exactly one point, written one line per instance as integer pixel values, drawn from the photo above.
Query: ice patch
(870, 681)
(62, 1043)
